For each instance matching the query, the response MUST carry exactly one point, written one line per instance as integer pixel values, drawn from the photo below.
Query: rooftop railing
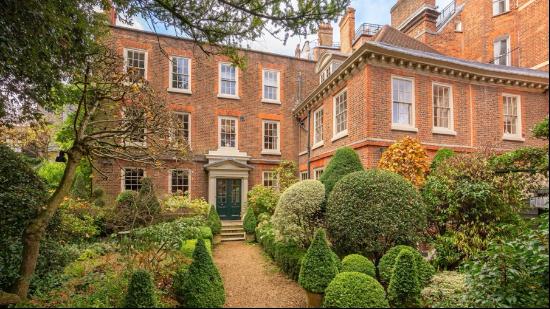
(367, 29)
(445, 14)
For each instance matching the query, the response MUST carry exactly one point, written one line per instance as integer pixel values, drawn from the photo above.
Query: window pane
(180, 181)
(228, 133)
(441, 106)
(135, 64)
(402, 101)
(340, 111)
(271, 137)
(132, 178)
(511, 115)
(180, 73)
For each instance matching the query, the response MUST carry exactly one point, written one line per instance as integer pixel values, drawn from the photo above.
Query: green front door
(228, 198)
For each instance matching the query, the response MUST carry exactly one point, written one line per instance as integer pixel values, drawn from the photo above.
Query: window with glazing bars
(181, 127)
(341, 112)
(180, 73)
(228, 132)
(442, 106)
(179, 181)
(271, 85)
(270, 179)
(271, 135)
(228, 79)
(511, 115)
(318, 126)
(402, 101)
(135, 64)
(132, 178)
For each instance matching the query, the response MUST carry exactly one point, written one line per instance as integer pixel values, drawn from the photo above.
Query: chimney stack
(324, 36)
(111, 14)
(347, 30)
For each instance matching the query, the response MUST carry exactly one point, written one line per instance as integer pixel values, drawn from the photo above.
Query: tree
(407, 158)
(287, 172)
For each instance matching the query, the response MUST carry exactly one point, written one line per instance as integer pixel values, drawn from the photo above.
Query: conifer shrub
(249, 222)
(214, 221)
(369, 212)
(404, 288)
(189, 246)
(298, 213)
(141, 291)
(407, 158)
(440, 156)
(344, 161)
(203, 286)
(358, 263)
(424, 269)
(354, 290)
(318, 266)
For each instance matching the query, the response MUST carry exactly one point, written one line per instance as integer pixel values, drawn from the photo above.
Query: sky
(366, 11)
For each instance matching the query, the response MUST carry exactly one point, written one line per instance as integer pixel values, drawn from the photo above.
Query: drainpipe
(308, 144)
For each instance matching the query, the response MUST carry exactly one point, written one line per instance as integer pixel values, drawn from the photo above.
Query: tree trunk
(37, 227)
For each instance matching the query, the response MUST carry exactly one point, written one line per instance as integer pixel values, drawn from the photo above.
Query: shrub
(97, 197)
(262, 199)
(79, 219)
(214, 221)
(540, 130)
(206, 233)
(513, 271)
(404, 288)
(447, 254)
(141, 291)
(249, 221)
(264, 217)
(178, 281)
(147, 199)
(446, 290)
(51, 173)
(298, 211)
(369, 212)
(318, 266)
(287, 174)
(358, 263)
(344, 161)
(440, 156)
(188, 246)
(135, 209)
(354, 290)
(177, 202)
(407, 158)
(288, 258)
(386, 265)
(203, 287)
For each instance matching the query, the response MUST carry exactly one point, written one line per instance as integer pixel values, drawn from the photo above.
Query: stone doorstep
(232, 234)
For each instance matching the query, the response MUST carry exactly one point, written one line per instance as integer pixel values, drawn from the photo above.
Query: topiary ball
(344, 161)
(319, 265)
(425, 270)
(358, 263)
(141, 291)
(404, 288)
(369, 212)
(355, 290)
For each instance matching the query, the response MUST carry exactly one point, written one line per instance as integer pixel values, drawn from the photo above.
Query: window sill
(443, 131)
(513, 138)
(271, 101)
(339, 135)
(503, 13)
(317, 145)
(228, 96)
(186, 91)
(397, 127)
(271, 152)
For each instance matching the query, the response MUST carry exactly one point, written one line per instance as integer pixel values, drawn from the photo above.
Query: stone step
(232, 228)
(232, 223)
(233, 239)
(232, 234)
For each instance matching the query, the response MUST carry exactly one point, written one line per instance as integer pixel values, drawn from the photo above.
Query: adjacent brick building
(378, 85)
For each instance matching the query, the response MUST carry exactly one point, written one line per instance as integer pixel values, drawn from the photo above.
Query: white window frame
(223, 95)
(170, 71)
(316, 171)
(303, 175)
(271, 151)
(266, 100)
(442, 130)
(506, 7)
(123, 176)
(519, 135)
(135, 143)
(343, 133)
(508, 55)
(220, 132)
(276, 184)
(190, 121)
(188, 179)
(145, 63)
(318, 143)
(399, 126)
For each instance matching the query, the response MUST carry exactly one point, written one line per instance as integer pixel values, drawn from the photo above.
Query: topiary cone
(141, 291)
(345, 161)
(404, 288)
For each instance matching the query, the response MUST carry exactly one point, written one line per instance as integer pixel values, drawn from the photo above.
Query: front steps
(232, 231)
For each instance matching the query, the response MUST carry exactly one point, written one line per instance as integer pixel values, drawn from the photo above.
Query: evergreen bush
(206, 233)
(214, 221)
(203, 287)
(354, 290)
(141, 291)
(404, 288)
(189, 246)
(424, 269)
(358, 263)
(249, 222)
(344, 161)
(440, 156)
(318, 266)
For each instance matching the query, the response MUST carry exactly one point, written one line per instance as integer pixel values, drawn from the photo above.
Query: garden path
(251, 280)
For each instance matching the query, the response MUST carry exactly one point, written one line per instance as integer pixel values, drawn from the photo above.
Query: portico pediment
(229, 164)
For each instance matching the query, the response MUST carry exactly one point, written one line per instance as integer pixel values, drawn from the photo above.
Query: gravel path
(251, 280)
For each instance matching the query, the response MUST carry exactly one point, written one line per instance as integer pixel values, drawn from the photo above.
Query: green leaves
(318, 266)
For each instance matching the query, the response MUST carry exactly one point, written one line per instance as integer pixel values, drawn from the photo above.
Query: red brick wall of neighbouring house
(477, 110)
(403, 9)
(205, 106)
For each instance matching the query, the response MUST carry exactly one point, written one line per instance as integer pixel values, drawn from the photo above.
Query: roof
(390, 35)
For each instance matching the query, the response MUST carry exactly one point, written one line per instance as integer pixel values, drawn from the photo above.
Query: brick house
(378, 85)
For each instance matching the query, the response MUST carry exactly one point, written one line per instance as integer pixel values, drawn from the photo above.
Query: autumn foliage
(407, 158)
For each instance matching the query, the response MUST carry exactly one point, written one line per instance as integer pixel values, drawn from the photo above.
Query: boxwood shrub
(425, 270)
(354, 290)
(358, 263)
(249, 221)
(141, 291)
(188, 246)
(203, 287)
(345, 161)
(404, 288)
(214, 221)
(206, 233)
(369, 212)
(318, 266)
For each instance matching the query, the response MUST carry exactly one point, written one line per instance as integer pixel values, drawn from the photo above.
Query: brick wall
(403, 9)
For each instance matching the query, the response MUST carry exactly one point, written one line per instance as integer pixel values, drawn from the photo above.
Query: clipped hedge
(188, 246)
(404, 288)
(354, 290)
(214, 221)
(369, 212)
(358, 263)
(249, 222)
(425, 270)
(318, 266)
(203, 287)
(141, 291)
(206, 232)
(345, 161)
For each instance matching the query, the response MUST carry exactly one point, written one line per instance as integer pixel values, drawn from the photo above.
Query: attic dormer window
(328, 70)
